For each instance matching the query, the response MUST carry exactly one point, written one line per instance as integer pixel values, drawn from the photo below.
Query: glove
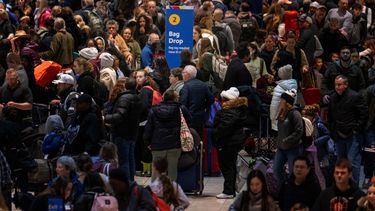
(326, 99)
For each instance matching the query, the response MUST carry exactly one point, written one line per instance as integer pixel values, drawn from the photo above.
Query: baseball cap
(320, 6)
(64, 79)
(314, 4)
(305, 17)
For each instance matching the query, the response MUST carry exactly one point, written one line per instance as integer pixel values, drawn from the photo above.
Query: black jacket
(197, 98)
(290, 130)
(306, 42)
(124, 118)
(347, 113)
(163, 126)
(332, 196)
(237, 75)
(353, 73)
(138, 199)
(305, 193)
(229, 123)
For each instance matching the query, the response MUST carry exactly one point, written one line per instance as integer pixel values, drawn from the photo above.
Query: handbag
(187, 140)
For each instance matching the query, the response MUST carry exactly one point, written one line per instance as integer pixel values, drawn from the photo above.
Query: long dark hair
(257, 174)
(169, 193)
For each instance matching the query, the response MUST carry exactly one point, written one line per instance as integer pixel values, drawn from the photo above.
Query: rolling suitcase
(211, 162)
(191, 179)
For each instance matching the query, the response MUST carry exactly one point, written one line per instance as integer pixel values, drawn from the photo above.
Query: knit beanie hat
(106, 60)
(285, 72)
(88, 53)
(230, 94)
(289, 96)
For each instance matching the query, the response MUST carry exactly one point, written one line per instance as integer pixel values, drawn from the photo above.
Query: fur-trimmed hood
(235, 103)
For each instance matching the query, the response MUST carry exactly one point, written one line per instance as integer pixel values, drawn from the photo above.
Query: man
(15, 98)
(195, 96)
(116, 39)
(237, 73)
(306, 40)
(158, 18)
(359, 30)
(301, 187)
(64, 84)
(344, 194)
(347, 118)
(14, 61)
(343, 67)
(124, 121)
(232, 21)
(147, 54)
(344, 17)
(62, 45)
(130, 196)
(222, 29)
(318, 19)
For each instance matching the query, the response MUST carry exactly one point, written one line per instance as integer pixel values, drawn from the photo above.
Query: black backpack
(248, 29)
(219, 32)
(100, 93)
(95, 23)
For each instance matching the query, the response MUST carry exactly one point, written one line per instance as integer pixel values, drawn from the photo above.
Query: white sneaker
(224, 196)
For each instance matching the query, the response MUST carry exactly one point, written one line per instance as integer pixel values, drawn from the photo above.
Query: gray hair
(68, 162)
(112, 22)
(191, 70)
(59, 24)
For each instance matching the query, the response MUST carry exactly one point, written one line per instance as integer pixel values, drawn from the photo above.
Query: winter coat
(61, 49)
(138, 199)
(229, 123)
(323, 141)
(267, 57)
(347, 114)
(237, 75)
(326, 36)
(121, 45)
(290, 130)
(147, 56)
(108, 77)
(332, 196)
(306, 42)
(283, 57)
(176, 87)
(290, 20)
(235, 26)
(345, 20)
(364, 205)
(359, 31)
(44, 15)
(353, 73)
(305, 193)
(254, 202)
(135, 50)
(282, 86)
(197, 98)
(31, 51)
(163, 126)
(124, 118)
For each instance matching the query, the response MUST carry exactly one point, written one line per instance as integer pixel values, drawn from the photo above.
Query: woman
(256, 66)
(206, 24)
(57, 195)
(290, 130)
(115, 93)
(41, 13)
(162, 131)
(134, 48)
(229, 136)
(143, 29)
(285, 83)
(367, 203)
(167, 189)
(256, 197)
(205, 60)
(196, 34)
(175, 79)
(100, 44)
(268, 51)
(161, 73)
(85, 77)
(66, 169)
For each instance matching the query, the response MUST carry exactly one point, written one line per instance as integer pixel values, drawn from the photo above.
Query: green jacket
(61, 49)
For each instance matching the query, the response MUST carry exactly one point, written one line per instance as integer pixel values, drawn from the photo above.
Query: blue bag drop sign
(178, 33)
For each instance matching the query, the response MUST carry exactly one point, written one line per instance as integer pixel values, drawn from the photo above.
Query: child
(256, 196)
(165, 189)
(108, 159)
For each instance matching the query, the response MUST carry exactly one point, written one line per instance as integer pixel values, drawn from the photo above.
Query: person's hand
(129, 59)
(305, 69)
(326, 99)
(55, 102)
(11, 104)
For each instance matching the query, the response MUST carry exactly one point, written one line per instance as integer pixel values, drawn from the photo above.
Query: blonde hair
(87, 66)
(118, 88)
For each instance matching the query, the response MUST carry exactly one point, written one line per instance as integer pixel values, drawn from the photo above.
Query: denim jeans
(350, 148)
(369, 157)
(125, 148)
(283, 156)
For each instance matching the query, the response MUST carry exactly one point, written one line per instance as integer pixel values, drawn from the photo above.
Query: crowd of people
(308, 65)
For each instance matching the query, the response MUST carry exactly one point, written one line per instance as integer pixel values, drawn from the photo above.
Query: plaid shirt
(5, 173)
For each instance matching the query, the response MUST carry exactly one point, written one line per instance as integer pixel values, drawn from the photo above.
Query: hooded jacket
(229, 123)
(163, 126)
(290, 130)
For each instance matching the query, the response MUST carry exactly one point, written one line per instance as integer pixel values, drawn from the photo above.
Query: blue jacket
(147, 56)
(197, 98)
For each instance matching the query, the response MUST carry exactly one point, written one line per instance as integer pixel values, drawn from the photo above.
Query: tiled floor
(206, 202)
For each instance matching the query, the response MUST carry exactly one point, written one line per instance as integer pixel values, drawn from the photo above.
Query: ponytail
(169, 193)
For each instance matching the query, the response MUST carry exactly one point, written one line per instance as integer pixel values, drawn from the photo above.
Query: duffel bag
(46, 72)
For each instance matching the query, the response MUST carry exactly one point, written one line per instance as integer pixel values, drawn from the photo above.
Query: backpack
(95, 23)
(219, 68)
(219, 32)
(308, 130)
(100, 93)
(156, 96)
(214, 108)
(104, 202)
(53, 142)
(248, 29)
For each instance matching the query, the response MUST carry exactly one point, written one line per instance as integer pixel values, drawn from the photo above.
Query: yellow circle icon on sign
(174, 19)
